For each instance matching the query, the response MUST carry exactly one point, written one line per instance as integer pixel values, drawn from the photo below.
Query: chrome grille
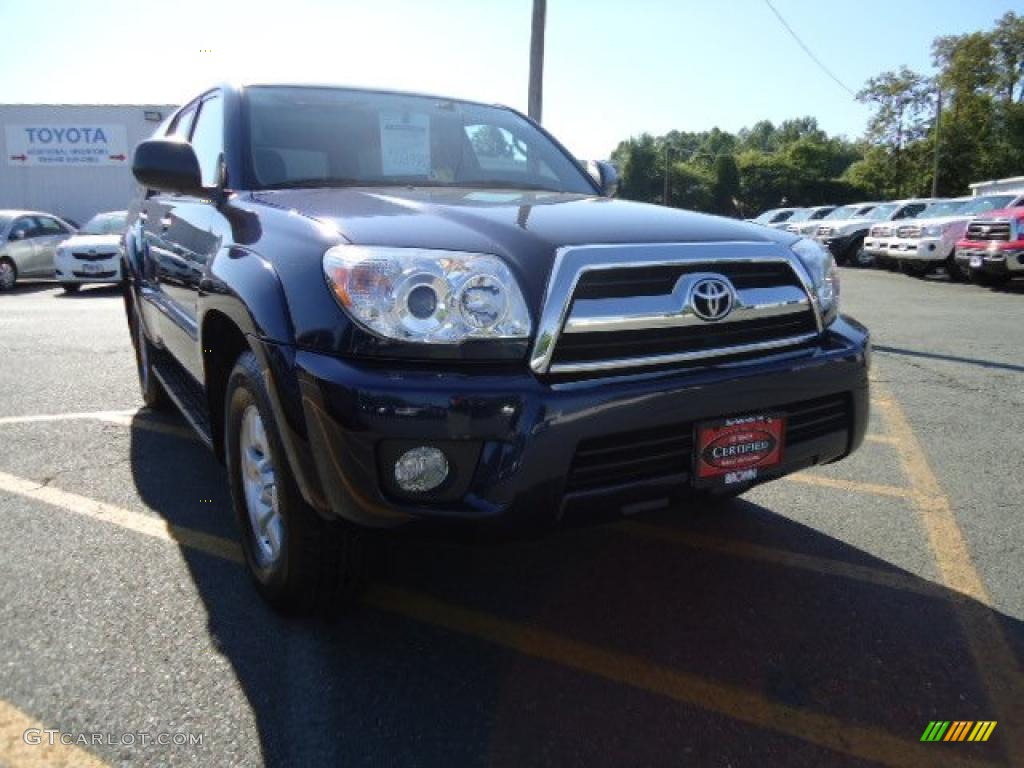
(614, 308)
(990, 229)
(881, 231)
(909, 230)
(825, 230)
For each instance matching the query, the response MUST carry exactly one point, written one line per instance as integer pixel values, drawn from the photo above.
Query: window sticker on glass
(404, 144)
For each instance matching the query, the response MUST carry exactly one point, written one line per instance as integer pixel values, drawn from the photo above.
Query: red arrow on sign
(22, 158)
(116, 157)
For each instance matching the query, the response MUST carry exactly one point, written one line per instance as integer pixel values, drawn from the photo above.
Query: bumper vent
(668, 450)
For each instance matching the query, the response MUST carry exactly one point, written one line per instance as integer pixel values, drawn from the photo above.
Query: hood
(1014, 214)
(520, 226)
(842, 223)
(92, 241)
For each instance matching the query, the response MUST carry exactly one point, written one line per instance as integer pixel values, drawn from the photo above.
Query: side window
(23, 229)
(911, 210)
(181, 126)
(49, 226)
(208, 140)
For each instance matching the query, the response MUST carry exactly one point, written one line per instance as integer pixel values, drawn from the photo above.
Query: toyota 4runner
(380, 309)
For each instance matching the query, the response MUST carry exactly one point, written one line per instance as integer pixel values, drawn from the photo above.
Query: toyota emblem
(712, 298)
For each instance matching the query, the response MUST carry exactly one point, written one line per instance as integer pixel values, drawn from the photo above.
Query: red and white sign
(733, 451)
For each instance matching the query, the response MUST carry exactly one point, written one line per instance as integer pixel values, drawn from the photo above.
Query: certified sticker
(733, 450)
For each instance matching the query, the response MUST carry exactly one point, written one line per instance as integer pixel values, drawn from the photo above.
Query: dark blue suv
(384, 308)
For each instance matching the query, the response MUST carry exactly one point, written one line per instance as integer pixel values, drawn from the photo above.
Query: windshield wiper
(321, 182)
(503, 184)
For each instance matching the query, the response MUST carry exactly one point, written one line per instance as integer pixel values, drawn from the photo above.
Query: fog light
(421, 469)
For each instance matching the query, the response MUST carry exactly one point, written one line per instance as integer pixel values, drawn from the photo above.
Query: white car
(852, 241)
(930, 240)
(94, 254)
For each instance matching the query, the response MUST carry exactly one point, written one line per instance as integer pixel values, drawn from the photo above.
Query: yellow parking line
(884, 439)
(149, 525)
(15, 753)
(134, 418)
(80, 416)
(751, 707)
(787, 558)
(850, 485)
(993, 655)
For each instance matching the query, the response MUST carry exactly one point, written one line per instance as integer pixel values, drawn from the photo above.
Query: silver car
(28, 242)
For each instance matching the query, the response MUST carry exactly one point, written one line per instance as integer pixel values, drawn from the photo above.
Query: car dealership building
(73, 160)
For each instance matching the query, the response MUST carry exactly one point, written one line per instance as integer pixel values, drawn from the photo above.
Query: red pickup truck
(992, 249)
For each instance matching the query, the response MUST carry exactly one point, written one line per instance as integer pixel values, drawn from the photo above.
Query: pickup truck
(856, 241)
(384, 310)
(991, 251)
(929, 241)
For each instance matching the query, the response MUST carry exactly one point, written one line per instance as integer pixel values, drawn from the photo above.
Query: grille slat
(585, 347)
(986, 231)
(668, 450)
(660, 279)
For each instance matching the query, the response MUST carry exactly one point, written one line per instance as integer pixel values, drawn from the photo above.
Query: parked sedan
(775, 218)
(28, 241)
(94, 254)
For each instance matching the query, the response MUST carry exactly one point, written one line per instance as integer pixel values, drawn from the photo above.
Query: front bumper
(996, 262)
(513, 439)
(95, 268)
(923, 249)
(876, 246)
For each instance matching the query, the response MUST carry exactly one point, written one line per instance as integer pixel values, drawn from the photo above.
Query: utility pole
(935, 160)
(536, 96)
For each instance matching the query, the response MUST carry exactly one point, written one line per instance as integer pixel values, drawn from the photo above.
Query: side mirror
(605, 175)
(168, 165)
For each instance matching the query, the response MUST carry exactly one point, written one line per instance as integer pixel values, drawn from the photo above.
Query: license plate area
(734, 451)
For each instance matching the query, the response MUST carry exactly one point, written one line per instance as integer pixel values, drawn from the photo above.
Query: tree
(490, 141)
(725, 193)
(1008, 40)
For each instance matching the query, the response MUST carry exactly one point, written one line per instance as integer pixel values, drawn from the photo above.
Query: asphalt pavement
(826, 619)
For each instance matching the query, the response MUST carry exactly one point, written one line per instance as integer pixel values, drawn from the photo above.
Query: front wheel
(299, 561)
(8, 274)
(988, 280)
(956, 274)
(70, 287)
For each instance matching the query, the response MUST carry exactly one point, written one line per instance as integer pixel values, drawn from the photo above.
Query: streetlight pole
(664, 193)
(536, 96)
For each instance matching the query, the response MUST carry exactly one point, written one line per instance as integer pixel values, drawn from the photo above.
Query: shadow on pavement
(377, 688)
(949, 358)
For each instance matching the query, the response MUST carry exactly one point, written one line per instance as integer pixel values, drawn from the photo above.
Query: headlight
(824, 276)
(430, 297)
(933, 230)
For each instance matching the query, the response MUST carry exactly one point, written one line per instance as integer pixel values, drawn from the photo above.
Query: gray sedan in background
(28, 242)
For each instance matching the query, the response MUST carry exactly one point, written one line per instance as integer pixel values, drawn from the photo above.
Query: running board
(185, 392)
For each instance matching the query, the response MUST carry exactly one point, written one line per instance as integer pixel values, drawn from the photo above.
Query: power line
(807, 50)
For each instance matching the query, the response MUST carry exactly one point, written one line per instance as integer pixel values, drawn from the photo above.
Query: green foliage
(981, 77)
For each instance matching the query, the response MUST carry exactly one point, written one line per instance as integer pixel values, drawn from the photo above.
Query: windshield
(843, 212)
(986, 203)
(945, 208)
(327, 137)
(802, 215)
(105, 224)
(767, 217)
(4, 221)
(881, 212)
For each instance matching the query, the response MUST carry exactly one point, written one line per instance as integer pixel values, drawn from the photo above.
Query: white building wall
(1012, 183)
(76, 190)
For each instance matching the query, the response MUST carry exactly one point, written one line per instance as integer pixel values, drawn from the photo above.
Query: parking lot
(822, 620)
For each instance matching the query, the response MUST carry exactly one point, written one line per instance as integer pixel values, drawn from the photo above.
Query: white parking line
(82, 416)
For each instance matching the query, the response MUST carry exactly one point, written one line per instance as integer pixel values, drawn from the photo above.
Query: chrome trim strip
(673, 310)
(681, 357)
(572, 261)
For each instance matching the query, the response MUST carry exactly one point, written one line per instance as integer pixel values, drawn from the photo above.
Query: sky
(612, 69)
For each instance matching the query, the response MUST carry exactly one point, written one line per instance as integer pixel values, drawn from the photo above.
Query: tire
(153, 394)
(987, 280)
(853, 254)
(914, 269)
(70, 287)
(8, 274)
(953, 270)
(300, 562)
